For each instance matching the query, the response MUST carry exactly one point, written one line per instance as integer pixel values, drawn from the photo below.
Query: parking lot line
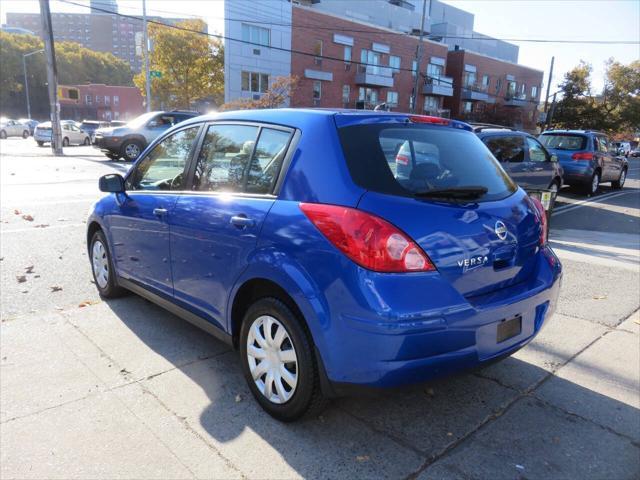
(582, 203)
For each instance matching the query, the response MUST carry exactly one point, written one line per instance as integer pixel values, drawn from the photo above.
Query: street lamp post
(26, 81)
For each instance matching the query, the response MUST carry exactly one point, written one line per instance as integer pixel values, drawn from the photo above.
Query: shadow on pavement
(498, 430)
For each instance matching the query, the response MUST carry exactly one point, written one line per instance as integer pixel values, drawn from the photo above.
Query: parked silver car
(71, 134)
(13, 128)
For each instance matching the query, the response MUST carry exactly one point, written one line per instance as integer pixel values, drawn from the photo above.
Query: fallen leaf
(87, 303)
(21, 278)
(599, 297)
(55, 288)
(29, 269)
(17, 212)
(42, 225)
(449, 434)
(238, 398)
(25, 291)
(36, 276)
(362, 458)
(27, 217)
(124, 371)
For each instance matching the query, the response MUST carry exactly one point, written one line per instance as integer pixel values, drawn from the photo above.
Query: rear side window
(408, 160)
(507, 148)
(564, 141)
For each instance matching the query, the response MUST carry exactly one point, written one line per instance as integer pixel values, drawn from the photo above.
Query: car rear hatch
(565, 145)
(479, 242)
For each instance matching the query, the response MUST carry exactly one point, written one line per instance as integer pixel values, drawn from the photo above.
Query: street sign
(155, 74)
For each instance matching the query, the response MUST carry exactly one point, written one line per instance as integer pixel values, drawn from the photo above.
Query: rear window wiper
(469, 192)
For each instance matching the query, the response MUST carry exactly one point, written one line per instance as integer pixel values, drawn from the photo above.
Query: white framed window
(534, 92)
(434, 71)
(467, 107)
(255, 34)
(347, 54)
(116, 100)
(392, 98)
(431, 104)
(317, 90)
(346, 93)
(88, 99)
(107, 100)
(414, 68)
(254, 82)
(97, 98)
(394, 63)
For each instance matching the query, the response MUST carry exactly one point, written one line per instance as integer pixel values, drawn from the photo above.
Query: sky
(508, 19)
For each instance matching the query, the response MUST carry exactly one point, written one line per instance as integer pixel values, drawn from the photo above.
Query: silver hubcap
(623, 177)
(595, 183)
(100, 264)
(132, 150)
(272, 359)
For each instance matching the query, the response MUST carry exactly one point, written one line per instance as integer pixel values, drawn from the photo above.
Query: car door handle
(242, 221)
(159, 212)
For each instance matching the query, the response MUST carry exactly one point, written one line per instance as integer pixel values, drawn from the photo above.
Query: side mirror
(554, 158)
(111, 183)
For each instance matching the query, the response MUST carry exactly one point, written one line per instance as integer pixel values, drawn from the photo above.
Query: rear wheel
(618, 184)
(592, 187)
(40, 144)
(65, 142)
(102, 267)
(87, 141)
(113, 156)
(3, 134)
(131, 150)
(278, 361)
(25, 134)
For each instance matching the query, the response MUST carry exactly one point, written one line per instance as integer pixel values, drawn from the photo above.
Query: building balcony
(516, 100)
(476, 93)
(374, 76)
(441, 86)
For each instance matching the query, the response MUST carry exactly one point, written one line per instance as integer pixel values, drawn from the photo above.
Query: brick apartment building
(388, 76)
(491, 90)
(99, 102)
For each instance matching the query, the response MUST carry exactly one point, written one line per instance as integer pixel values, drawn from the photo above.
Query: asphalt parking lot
(123, 389)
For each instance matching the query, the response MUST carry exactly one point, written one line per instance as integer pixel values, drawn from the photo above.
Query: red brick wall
(304, 39)
(496, 69)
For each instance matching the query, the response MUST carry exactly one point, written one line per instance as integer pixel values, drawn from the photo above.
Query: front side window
(508, 149)
(602, 144)
(537, 153)
(163, 167)
(231, 161)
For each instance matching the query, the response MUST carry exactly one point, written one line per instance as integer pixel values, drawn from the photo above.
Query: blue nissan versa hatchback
(290, 235)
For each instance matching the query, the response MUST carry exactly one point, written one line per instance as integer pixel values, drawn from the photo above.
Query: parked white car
(13, 128)
(71, 134)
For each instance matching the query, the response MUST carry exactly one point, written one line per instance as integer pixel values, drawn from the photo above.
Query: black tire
(40, 144)
(307, 398)
(556, 184)
(618, 184)
(589, 187)
(3, 134)
(25, 134)
(87, 141)
(131, 150)
(65, 142)
(113, 156)
(110, 289)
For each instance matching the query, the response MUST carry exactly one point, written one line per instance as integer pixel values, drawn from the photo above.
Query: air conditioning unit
(256, 96)
(256, 51)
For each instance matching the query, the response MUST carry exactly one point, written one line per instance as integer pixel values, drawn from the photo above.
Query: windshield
(563, 141)
(411, 160)
(141, 120)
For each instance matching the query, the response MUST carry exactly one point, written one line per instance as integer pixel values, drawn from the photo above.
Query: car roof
(581, 132)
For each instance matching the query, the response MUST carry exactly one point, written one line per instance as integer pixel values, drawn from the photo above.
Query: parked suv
(288, 235)
(524, 158)
(13, 128)
(130, 140)
(587, 158)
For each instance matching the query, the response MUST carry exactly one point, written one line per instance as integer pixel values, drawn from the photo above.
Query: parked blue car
(587, 157)
(289, 235)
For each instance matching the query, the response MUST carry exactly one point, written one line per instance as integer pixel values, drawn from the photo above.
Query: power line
(289, 50)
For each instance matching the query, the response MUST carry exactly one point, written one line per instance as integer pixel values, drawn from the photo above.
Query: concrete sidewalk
(125, 390)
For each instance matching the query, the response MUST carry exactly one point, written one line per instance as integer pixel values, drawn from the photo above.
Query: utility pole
(26, 80)
(546, 98)
(52, 77)
(145, 39)
(419, 55)
(551, 112)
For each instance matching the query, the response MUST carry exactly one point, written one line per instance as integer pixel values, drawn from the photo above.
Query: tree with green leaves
(190, 63)
(76, 65)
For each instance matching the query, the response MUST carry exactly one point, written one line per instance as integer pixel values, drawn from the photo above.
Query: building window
(394, 63)
(116, 100)
(410, 102)
(467, 107)
(469, 79)
(498, 85)
(434, 71)
(392, 99)
(346, 92)
(511, 89)
(107, 100)
(88, 99)
(347, 54)
(369, 95)
(414, 68)
(534, 92)
(317, 90)
(255, 82)
(97, 99)
(371, 60)
(485, 82)
(317, 50)
(255, 34)
(431, 104)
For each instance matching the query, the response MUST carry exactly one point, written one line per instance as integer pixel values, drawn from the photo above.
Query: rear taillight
(542, 218)
(369, 241)
(582, 156)
(402, 159)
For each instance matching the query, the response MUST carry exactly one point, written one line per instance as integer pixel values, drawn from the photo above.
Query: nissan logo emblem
(501, 230)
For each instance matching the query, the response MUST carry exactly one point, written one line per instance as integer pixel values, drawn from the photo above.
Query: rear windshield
(563, 141)
(408, 160)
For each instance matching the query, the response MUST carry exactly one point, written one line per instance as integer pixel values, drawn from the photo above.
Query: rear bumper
(421, 345)
(577, 172)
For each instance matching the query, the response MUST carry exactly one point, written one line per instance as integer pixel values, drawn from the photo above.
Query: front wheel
(131, 150)
(278, 361)
(25, 134)
(40, 144)
(618, 184)
(102, 267)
